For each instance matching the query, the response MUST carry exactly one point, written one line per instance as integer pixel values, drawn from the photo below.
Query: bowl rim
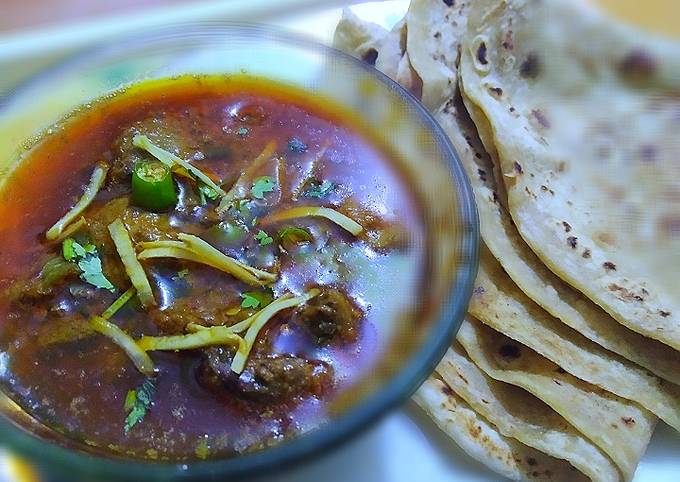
(50, 455)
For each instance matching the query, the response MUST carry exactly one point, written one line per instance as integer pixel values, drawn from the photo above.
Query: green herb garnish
(296, 145)
(87, 249)
(208, 192)
(242, 131)
(130, 400)
(261, 186)
(249, 301)
(92, 273)
(137, 403)
(319, 189)
(256, 299)
(68, 250)
(87, 259)
(263, 238)
(72, 249)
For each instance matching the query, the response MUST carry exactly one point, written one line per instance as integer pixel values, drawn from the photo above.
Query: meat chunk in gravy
(146, 226)
(272, 377)
(329, 317)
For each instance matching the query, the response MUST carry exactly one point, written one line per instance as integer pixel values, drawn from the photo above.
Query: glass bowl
(422, 149)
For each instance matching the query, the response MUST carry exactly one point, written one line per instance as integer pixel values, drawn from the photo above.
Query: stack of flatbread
(567, 125)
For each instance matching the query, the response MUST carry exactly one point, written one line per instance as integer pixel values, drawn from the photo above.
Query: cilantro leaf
(87, 259)
(249, 301)
(91, 268)
(255, 299)
(135, 416)
(242, 131)
(72, 249)
(319, 189)
(79, 250)
(296, 145)
(130, 400)
(261, 186)
(263, 238)
(68, 249)
(137, 403)
(208, 192)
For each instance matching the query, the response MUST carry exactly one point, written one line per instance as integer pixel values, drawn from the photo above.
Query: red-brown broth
(79, 387)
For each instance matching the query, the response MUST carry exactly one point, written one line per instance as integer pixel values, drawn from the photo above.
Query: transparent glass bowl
(422, 150)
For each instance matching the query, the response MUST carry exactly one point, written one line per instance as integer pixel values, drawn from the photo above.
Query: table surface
(405, 446)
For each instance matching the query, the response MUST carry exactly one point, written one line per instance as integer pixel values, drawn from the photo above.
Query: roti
(434, 35)
(472, 142)
(370, 42)
(589, 210)
(518, 414)
(483, 442)
(499, 303)
(620, 428)
(527, 270)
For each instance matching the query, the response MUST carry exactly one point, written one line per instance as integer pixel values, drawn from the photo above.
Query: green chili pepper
(152, 186)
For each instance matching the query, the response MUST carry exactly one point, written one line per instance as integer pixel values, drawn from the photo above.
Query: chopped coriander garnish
(249, 301)
(242, 131)
(257, 299)
(319, 189)
(263, 238)
(68, 250)
(72, 249)
(296, 145)
(89, 249)
(208, 192)
(130, 400)
(137, 403)
(87, 259)
(92, 273)
(261, 186)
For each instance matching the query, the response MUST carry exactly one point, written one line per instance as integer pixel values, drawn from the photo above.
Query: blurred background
(37, 33)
